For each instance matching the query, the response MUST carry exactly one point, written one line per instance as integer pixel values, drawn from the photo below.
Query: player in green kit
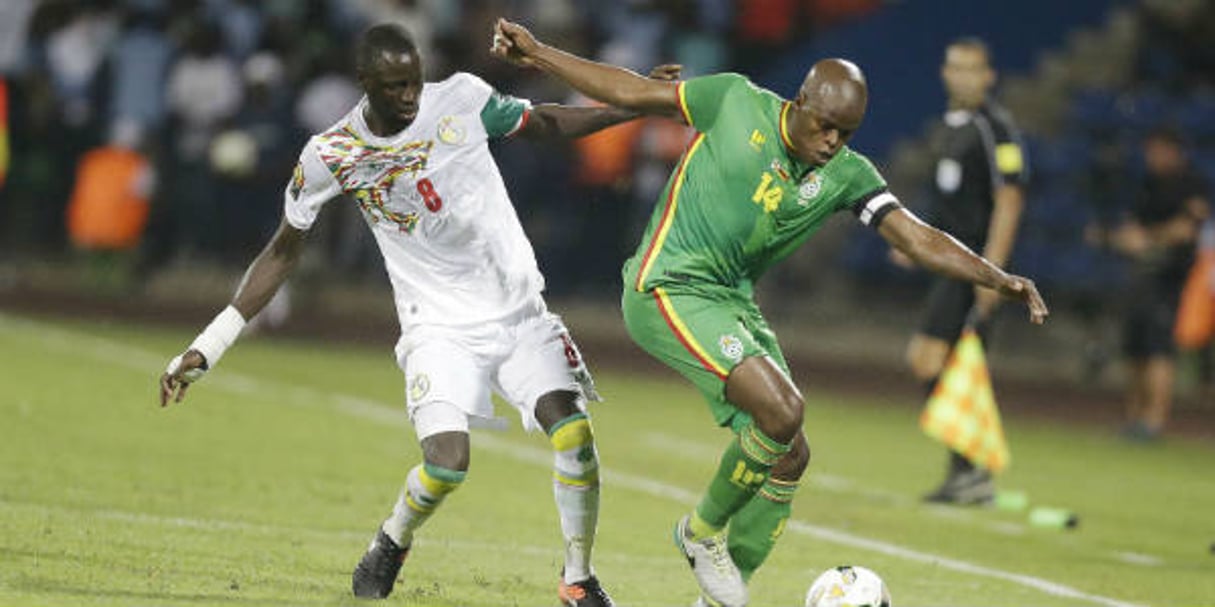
(758, 178)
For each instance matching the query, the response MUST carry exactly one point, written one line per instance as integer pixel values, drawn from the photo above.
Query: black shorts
(1147, 329)
(948, 303)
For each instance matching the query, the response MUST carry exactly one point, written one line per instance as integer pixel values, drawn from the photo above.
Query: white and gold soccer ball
(848, 586)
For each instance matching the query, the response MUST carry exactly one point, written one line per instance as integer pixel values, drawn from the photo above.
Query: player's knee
(447, 450)
(555, 406)
(795, 461)
(575, 461)
(782, 419)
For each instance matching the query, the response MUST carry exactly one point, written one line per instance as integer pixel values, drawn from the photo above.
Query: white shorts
(451, 375)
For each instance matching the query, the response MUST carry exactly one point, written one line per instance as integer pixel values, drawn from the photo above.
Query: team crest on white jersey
(450, 131)
(419, 386)
(810, 187)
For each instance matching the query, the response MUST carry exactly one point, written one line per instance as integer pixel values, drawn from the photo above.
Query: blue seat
(1203, 160)
(1195, 115)
(1094, 109)
(1144, 110)
(1059, 157)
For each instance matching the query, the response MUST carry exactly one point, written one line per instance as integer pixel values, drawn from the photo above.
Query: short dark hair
(381, 38)
(972, 42)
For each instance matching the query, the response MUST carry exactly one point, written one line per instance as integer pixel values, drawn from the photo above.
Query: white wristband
(219, 335)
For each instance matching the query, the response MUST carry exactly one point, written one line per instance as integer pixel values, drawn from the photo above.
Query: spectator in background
(108, 210)
(139, 68)
(204, 92)
(1160, 237)
(250, 156)
(1176, 48)
(603, 181)
(978, 197)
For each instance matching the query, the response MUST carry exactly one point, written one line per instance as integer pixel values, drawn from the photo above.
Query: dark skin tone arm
(550, 120)
(262, 280)
(607, 83)
(941, 253)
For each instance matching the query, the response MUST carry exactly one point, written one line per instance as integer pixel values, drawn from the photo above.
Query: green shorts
(702, 333)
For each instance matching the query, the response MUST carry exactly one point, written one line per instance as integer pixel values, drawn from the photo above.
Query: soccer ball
(848, 586)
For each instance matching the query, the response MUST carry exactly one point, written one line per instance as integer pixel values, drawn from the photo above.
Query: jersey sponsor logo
(419, 386)
(297, 181)
(451, 131)
(949, 175)
(810, 187)
(757, 140)
(731, 347)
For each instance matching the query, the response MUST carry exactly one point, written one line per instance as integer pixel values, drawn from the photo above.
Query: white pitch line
(220, 525)
(138, 358)
(692, 450)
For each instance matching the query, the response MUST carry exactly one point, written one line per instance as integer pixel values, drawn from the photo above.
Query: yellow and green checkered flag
(962, 410)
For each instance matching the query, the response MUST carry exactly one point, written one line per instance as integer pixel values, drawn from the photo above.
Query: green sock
(743, 469)
(754, 530)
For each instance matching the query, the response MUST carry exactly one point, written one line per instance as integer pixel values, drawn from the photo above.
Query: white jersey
(432, 196)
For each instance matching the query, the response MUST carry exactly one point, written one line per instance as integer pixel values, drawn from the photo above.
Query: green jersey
(739, 201)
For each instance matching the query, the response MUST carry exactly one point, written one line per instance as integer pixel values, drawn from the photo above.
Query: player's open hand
(1023, 289)
(513, 43)
(184, 369)
(667, 71)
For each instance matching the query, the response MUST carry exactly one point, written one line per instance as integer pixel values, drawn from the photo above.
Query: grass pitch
(264, 487)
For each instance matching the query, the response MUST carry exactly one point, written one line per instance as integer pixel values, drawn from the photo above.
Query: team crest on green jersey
(451, 131)
(731, 347)
(810, 187)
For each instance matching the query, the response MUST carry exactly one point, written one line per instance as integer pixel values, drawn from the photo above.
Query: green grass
(266, 484)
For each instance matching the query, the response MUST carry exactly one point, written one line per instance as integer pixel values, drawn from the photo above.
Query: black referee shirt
(976, 152)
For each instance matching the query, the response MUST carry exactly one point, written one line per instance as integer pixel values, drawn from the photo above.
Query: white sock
(576, 492)
(424, 490)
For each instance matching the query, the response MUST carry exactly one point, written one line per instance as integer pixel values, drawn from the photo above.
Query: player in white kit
(413, 156)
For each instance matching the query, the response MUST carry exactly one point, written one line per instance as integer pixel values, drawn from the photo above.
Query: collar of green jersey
(800, 169)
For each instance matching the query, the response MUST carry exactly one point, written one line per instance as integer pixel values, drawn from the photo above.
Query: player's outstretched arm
(263, 278)
(941, 253)
(553, 120)
(607, 83)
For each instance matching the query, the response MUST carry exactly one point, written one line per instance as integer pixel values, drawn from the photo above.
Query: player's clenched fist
(514, 43)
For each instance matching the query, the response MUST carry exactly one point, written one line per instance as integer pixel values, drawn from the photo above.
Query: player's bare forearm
(941, 253)
(551, 120)
(269, 270)
(607, 83)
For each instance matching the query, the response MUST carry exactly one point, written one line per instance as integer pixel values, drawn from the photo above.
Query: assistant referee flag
(962, 410)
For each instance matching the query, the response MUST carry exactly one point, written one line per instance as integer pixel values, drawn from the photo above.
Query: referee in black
(977, 195)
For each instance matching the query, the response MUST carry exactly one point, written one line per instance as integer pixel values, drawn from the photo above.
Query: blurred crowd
(192, 113)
